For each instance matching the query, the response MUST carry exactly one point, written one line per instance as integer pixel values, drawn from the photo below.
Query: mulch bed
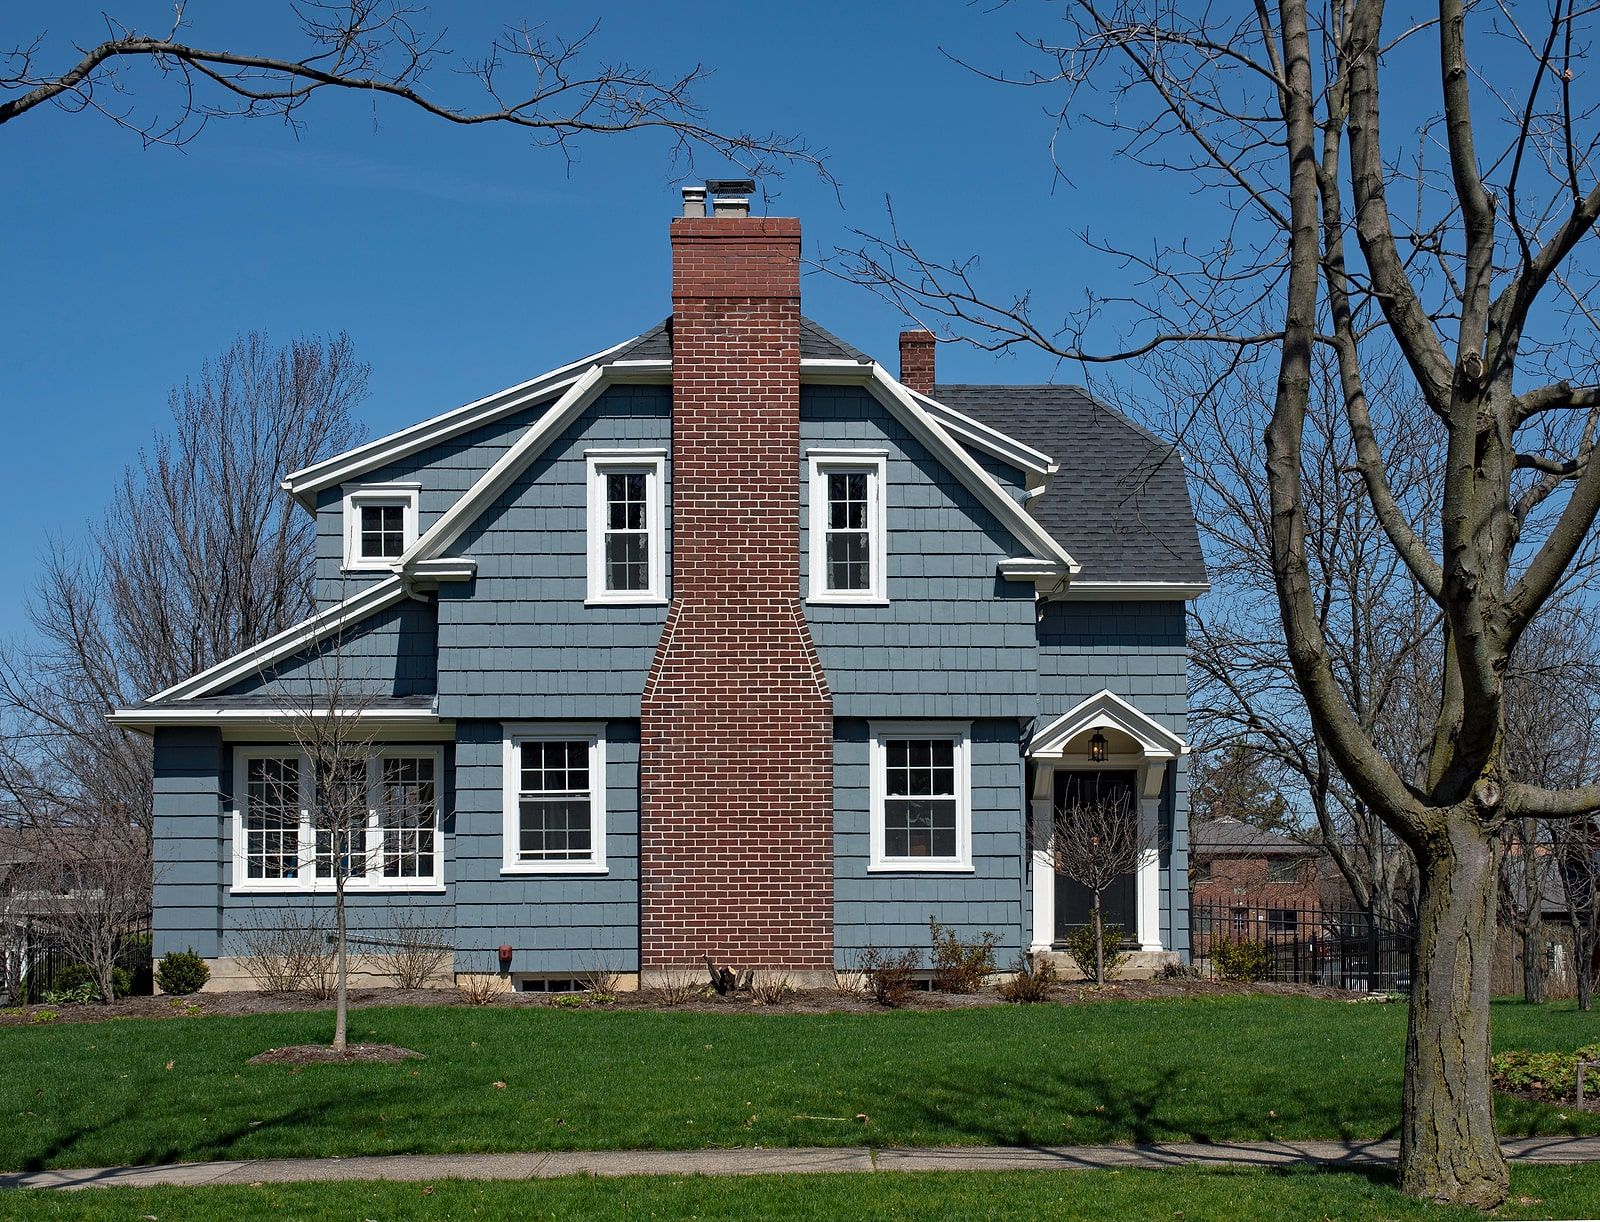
(817, 1001)
(322, 1054)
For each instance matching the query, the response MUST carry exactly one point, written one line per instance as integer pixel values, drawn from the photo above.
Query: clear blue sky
(464, 261)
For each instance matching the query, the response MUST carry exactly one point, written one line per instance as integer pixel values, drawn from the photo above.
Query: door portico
(1129, 741)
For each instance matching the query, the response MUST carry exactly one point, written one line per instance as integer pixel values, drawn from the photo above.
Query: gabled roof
(817, 343)
(1102, 711)
(1229, 837)
(1120, 501)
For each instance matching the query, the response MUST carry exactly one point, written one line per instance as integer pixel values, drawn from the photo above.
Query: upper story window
(374, 819)
(847, 536)
(921, 797)
(627, 526)
(380, 525)
(555, 800)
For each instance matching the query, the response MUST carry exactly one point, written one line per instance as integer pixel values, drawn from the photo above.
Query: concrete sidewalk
(762, 1161)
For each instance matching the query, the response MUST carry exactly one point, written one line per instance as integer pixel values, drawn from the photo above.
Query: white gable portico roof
(1107, 710)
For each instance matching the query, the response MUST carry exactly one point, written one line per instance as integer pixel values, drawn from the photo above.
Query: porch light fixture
(1097, 748)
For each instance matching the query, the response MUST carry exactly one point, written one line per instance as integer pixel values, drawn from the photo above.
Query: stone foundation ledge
(1136, 964)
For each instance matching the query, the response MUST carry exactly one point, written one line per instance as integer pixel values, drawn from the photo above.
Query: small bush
(415, 951)
(289, 954)
(1032, 983)
(181, 972)
(80, 994)
(479, 988)
(72, 980)
(890, 978)
(960, 967)
(850, 984)
(680, 986)
(1177, 971)
(1244, 962)
(770, 989)
(1547, 1075)
(1080, 945)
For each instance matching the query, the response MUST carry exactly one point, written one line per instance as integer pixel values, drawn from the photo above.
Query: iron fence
(35, 964)
(1307, 944)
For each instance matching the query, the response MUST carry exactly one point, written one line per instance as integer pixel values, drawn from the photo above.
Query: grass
(1216, 1069)
(1537, 1192)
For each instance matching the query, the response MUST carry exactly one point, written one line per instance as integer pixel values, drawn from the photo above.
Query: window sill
(394, 888)
(631, 600)
(525, 868)
(368, 568)
(848, 600)
(921, 867)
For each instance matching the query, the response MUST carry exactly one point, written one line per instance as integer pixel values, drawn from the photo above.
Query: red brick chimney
(736, 729)
(916, 360)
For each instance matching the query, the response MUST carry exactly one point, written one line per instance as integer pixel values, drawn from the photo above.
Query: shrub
(890, 978)
(1548, 1075)
(288, 953)
(1241, 961)
(679, 986)
(80, 994)
(181, 972)
(770, 989)
(75, 978)
(960, 967)
(415, 952)
(1080, 945)
(1032, 983)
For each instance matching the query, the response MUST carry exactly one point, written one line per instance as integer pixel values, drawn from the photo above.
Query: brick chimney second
(917, 360)
(736, 725)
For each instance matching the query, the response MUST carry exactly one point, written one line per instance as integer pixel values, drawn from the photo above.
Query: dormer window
(380, 525)
(627, 526)
(847, 537)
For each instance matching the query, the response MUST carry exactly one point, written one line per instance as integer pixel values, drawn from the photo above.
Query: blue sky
(464, 261)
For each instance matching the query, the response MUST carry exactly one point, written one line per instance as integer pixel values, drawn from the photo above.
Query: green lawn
(533, 1078)
(1537, 1192)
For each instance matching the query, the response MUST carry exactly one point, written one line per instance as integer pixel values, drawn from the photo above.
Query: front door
(1075, 902)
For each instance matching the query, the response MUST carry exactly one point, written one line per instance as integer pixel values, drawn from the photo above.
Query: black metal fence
(1309, 944)
(41, 965)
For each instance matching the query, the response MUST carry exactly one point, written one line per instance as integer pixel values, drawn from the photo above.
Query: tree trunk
(1533, 974)
(1449, 1151)
(341, 989)
(1099, 943)
(1585, 983)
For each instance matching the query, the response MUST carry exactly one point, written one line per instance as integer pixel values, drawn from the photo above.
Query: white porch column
(1147, 878)
(1044, 866)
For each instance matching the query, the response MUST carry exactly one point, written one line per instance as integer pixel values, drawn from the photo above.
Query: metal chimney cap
(731, 186)
(694, 201)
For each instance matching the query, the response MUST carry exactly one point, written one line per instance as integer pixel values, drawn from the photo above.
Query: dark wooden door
(1074, 902)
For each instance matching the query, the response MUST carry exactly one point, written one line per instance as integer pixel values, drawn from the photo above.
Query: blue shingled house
(721, 640)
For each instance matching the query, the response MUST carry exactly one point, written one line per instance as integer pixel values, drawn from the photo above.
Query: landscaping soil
(817, 1001)
(321, 1054)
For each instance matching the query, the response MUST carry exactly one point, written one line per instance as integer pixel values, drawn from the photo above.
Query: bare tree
(1095, 843)
(197, 557)
(1577, 847)
(89, 887)
(546, 84)
(1462, 258)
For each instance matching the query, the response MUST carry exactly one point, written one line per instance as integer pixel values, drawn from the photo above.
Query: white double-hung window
(921, 797)
(373, 818)
(380, 525)
(555, 799)
(627, 526)
(847, 539)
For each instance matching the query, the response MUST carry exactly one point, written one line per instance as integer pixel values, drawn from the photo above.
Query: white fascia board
(446, 568)
(1107, 709)
(1136, 591)
(932, 434)
(305, 483)
(374, 598)
(455, 520)
(139, 719)
(990, 440)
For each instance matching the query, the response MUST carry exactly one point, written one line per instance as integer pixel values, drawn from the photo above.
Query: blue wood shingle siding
(1139, 651)
(391, 653)
(954, 641)
(518, 643)
(890, 911)
(188, 841)
(558, 923)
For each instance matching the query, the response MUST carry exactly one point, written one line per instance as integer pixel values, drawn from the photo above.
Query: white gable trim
(1107, 710)
(305, 483)
(990, 440)
(290, 641)
(922, 425)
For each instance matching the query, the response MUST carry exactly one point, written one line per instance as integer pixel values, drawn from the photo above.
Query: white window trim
(652, 463)
(518, 733)
(822, 464)
(404, 495)
(877, 861)
(373, 882)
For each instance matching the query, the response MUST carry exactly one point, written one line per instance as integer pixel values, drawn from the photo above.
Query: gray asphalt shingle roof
(1120, 503)
(816, 344)
(1230, 837)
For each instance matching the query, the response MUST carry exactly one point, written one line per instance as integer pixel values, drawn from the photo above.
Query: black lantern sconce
(1097, 748)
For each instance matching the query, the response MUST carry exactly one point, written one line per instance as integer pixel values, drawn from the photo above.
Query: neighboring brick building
(721, 640)
(1253, 884)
